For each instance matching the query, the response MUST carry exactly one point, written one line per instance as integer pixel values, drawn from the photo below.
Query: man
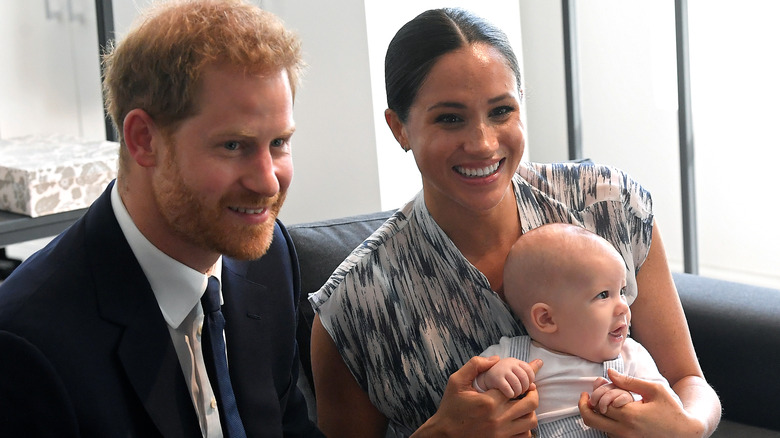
(104, 324)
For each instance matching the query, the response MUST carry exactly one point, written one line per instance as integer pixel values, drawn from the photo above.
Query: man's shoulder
(42, 289)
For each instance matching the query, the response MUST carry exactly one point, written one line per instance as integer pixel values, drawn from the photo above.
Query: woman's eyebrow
(458, 105)
(455, 105)
(500, 98)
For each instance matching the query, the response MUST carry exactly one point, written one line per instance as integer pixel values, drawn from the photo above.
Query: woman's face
(465, 131)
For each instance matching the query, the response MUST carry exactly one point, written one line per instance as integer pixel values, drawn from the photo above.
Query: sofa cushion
(321, 246)
(736, 332)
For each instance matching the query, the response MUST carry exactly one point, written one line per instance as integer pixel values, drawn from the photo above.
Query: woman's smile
(472, 172)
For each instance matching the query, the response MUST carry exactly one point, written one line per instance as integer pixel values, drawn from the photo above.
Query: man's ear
(397, 126)
(139, 131)
(542, 318)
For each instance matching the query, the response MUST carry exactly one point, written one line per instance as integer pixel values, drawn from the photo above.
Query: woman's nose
(483, 140)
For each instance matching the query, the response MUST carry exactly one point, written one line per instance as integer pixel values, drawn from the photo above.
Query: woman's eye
(502, 111)
(232, 145)
(448, 119)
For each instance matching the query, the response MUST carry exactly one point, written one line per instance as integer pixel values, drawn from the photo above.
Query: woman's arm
(658, 323)
(344, 409)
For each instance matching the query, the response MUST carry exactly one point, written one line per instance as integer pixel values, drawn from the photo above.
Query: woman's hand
(513, 377)
(464, 412)
(657, 415)
(606, 394)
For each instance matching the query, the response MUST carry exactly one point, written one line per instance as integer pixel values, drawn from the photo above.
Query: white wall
(347, 161)
(333, 147)
(735, 94)
(544, 82)
(50, 80)
(629, 101)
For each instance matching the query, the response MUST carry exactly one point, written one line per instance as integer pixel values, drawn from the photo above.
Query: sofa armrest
(736, 332)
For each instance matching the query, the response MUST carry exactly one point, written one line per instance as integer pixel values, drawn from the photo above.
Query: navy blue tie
(216, 362)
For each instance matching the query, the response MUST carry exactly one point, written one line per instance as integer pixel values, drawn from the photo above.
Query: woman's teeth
(478, 173)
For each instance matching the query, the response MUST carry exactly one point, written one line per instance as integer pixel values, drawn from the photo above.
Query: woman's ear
(139, 131)
(397, 126)
(542, 318)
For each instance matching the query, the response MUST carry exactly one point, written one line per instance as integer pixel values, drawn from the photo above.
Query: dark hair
(417, 46)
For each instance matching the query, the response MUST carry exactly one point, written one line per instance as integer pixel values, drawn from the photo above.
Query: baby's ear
(542, 318)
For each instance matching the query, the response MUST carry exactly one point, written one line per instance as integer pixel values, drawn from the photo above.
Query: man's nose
(260, 174)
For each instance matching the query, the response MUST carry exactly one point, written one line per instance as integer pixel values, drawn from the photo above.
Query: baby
(567, 286)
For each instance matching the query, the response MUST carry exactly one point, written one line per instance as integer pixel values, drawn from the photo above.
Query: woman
(411, 306)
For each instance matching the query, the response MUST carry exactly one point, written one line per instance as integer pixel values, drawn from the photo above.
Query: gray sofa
(735, 327)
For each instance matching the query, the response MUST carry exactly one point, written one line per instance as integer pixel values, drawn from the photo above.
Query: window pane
(735, 96)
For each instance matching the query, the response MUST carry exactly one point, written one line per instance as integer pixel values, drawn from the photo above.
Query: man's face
(225, 171)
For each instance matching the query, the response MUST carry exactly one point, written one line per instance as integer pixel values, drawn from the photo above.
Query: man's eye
(278, 142)
(232, 145)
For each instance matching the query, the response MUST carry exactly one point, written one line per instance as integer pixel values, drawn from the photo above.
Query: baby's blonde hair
(545, 261)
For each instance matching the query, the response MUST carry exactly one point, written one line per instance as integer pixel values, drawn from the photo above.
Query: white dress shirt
(178, 289)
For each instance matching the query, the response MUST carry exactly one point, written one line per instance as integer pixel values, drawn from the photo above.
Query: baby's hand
(606, 394)
(511, 376)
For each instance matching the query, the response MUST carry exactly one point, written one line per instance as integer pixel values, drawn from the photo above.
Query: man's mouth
(480, 172)
(247, 210)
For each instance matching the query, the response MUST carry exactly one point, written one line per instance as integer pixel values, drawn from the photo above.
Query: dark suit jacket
(86, 351)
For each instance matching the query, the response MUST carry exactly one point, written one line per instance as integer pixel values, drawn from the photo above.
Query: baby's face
(593, 317)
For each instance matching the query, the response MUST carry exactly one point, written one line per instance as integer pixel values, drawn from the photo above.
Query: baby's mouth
(619, 332)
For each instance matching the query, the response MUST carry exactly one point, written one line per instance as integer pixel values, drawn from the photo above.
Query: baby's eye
(603, 295)
(623, 291)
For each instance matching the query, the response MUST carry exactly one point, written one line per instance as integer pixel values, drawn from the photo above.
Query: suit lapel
(145, 349)
(260, 312)
(249, 355)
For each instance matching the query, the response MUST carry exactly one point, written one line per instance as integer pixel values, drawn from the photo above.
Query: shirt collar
(177, 287)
